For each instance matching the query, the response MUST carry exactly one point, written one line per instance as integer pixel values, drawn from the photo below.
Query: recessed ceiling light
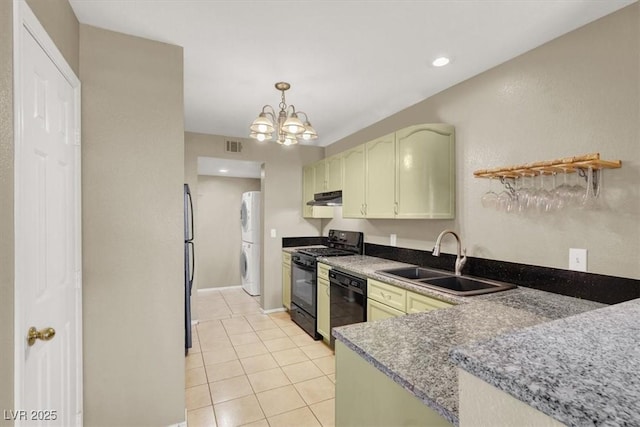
(223, 170)
(441, 61)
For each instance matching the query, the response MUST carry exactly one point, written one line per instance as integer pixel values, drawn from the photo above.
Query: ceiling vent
(234, 146)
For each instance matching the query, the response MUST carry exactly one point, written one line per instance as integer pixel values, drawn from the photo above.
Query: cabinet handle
(395, 208)
(365, 208)
(385, 296)
(328, 291)
(362, 209)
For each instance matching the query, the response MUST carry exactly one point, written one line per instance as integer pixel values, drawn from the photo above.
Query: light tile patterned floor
(251, 369)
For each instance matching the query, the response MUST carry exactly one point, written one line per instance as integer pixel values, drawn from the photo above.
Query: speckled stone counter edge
(481, 359)
(396, 378)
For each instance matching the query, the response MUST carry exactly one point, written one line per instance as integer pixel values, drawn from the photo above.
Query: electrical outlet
(577, 259)
(273, 232)
(393, 239)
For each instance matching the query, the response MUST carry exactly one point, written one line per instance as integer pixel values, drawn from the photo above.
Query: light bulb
(293, 128)
(261, 137)
(287, 141)
(306, 136)
(440, 62)
(262, 128)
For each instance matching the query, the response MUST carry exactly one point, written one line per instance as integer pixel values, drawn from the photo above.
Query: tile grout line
(277, 326)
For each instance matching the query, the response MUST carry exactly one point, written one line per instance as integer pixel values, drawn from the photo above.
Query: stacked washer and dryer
(250, 256)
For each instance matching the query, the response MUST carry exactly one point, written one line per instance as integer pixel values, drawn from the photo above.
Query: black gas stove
(303, 275)
(318, 252)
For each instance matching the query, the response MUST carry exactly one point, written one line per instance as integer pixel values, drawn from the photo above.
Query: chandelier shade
(285, 124)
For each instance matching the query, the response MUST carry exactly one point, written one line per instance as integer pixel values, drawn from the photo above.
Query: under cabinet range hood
(331, 198)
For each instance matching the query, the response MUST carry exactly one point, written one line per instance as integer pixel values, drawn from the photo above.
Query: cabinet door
(378, 311)
(380, 172)
(425, 180)
(323, 271)
(417, 303)
(353, 187)
(308, 190)
(286, 285)
(320, 184)
(387, 294)
(308, 178)
(333, 173)
(324, 322)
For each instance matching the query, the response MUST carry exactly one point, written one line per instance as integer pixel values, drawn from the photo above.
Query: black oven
(303, 275)
(304, 292)
(348, 299)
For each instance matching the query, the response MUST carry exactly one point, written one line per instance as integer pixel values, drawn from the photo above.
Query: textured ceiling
(350, 63)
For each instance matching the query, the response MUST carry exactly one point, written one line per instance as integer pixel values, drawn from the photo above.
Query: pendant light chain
(288, 127)
(283, 103)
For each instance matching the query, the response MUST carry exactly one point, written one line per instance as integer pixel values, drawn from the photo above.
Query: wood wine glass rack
(549, 167)
(588, 166)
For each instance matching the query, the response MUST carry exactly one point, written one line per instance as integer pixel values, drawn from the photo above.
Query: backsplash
(290, 242)
(589, 286)
(593, 287)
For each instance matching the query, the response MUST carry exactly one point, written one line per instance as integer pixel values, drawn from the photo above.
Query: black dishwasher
(348, 299)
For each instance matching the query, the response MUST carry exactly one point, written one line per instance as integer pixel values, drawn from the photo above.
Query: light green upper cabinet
(309, 174)
(407, 174)
(320, 177)
(353, 187)
(307, 190)
(333, 172)
(380, 177)
(425, 172)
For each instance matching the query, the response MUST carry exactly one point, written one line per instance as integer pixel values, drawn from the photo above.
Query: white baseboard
(273, 310)
(207, 290)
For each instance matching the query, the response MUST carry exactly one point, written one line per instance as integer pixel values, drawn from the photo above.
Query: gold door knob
(45, 334)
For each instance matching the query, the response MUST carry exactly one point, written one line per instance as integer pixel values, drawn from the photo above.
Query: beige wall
(577, 94)
(281, 196)
(58, 18)
(219, 229)
(6, 207)
(133, 171)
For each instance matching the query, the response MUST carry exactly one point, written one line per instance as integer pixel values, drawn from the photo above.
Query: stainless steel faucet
(459, 260)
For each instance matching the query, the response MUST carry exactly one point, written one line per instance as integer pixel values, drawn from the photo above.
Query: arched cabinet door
(380, 182)
(425, 172)
(353, 187)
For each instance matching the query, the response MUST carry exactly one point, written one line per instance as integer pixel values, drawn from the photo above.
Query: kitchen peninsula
(413, 352)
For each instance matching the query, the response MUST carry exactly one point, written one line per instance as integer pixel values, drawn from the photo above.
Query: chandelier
(287, 126)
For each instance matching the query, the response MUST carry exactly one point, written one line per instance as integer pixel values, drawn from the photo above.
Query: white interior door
(48, 374)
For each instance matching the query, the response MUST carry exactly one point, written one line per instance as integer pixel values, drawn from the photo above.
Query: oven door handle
(332, 283)
(304, 267)
(353, 289)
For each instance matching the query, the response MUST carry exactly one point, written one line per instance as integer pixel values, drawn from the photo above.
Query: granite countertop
(292, 249)
(413, 350)
(581, 370)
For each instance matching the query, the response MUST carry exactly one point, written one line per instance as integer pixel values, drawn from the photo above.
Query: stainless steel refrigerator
(189, 265)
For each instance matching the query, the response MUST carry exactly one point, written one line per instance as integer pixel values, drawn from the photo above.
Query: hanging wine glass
(490, 198)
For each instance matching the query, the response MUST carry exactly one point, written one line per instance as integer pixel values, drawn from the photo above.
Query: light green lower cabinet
(367, 397)
(417, 303)
(378, 311)
(286, 280)
(385, 301)
(324, 322)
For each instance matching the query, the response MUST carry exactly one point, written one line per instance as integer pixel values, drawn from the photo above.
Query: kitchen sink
(465, 285)
(414, 273)
(445, 281)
